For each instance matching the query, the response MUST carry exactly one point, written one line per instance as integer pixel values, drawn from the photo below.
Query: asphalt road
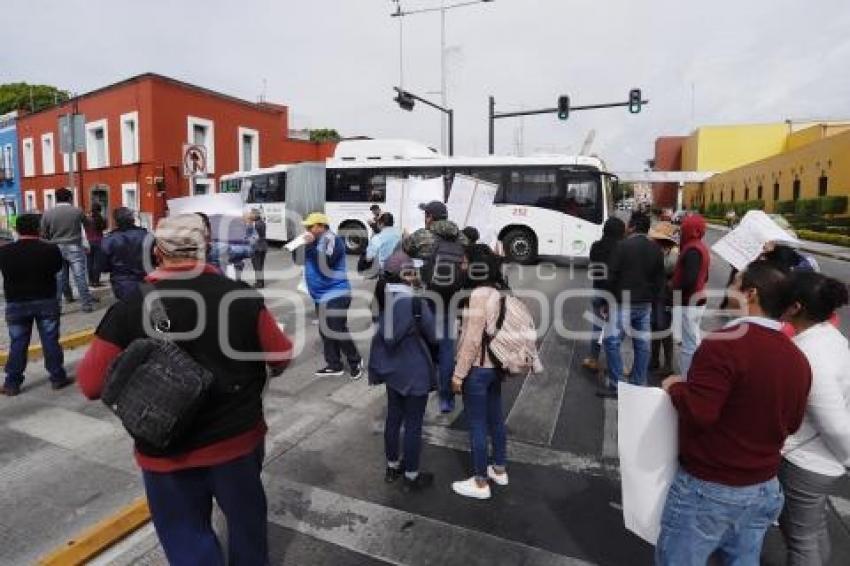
(66, 463)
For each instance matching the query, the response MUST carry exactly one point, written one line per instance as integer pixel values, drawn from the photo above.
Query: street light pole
(406, 101)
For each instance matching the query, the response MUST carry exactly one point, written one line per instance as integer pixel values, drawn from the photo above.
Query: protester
(636, 277)
(664, 234)
(239, 250)
(220, 454)
(260, 246)
(472, 235)
(745, 393)
(599, 269)
(376, 215)
(689, 280)
(815, 457)
(476, 377)
(386, 240)
(29, 267)
(63, 225)
(124, 251)
(440, 241)
(95, 225)
(400, 357)
(327, 283)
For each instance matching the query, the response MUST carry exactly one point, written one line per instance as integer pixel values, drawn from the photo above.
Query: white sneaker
(498, 479)
(469, 488)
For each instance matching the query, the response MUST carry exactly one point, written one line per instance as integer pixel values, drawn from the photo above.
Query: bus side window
(584, 197)
(347, 186)
(377, 186)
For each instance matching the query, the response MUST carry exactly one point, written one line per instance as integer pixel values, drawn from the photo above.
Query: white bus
(280, 193)
(545, 206)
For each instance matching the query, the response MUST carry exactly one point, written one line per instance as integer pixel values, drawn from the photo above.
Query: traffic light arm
(555, 110)
(447, 111)
(422, 100)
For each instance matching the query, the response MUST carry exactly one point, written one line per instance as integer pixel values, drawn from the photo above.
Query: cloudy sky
(334, 62)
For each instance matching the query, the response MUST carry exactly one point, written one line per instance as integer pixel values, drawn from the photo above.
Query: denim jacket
(400, 354)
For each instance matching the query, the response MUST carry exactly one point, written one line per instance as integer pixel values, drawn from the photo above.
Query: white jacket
(822, 445)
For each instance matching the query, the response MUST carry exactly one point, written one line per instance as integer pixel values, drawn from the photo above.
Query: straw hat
(664, 231)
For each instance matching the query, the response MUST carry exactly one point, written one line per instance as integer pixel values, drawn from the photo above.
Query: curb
(69, 342)
(100, 536)
(803, 246)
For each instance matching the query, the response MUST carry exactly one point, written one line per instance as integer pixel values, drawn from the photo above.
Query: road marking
(534, 416)
(69, 342)
(62, 427)
(392, 535)
(525, 453)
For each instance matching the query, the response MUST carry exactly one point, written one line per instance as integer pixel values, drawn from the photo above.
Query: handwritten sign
(745, 243)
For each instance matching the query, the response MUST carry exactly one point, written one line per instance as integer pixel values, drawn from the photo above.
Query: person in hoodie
(400, 358)
(124, 251)
(689, 279)
(421, 245)
(600, 253)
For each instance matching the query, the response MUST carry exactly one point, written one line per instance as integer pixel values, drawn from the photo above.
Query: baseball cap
(181, 236)
(435, 209)
(316, 218)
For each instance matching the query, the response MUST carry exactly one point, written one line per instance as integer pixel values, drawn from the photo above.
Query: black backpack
(442, 272)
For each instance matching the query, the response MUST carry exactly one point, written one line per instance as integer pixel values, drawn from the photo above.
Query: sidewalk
(826, 250)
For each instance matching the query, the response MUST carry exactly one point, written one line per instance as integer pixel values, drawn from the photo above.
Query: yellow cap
(316, 218)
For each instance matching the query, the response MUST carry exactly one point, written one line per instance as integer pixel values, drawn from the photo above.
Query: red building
(135, 133)
(668, 157)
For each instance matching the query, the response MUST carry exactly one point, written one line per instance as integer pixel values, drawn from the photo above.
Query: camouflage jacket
(420, 244)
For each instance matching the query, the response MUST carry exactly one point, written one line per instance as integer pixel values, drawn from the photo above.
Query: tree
(14, 96)
(324, 135)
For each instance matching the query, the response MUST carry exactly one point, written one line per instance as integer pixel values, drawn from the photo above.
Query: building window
(202, 132)
(760, 192)
(29, 157)
(721, 197)
(129, 138)
(48, 164)
(66, 162)
(796, 189)
(8, 162)
(823, 185)
(732, 197)
(97, 145)
(775, 192)
(130, 195)
(201, 186)
(49, 199)
(249, 149)
(29, 201)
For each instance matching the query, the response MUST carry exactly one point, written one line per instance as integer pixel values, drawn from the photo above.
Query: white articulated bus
(546, 206)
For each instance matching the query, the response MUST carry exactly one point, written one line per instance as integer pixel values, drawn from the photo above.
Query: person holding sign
(745, 393)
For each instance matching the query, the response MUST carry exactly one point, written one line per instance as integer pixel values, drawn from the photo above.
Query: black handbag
(154, 387)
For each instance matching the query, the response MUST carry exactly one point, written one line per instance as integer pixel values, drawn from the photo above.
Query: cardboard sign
(745, 243)
(404, 197)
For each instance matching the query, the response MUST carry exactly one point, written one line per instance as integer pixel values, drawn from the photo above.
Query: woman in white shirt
(814, 458)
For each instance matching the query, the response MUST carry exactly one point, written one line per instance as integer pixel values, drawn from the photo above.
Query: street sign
(72, 138)
(194, 160)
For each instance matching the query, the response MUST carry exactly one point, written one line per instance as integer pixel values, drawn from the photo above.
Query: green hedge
(785, 207)
(835, 239)
(832, 205)
(806, 207)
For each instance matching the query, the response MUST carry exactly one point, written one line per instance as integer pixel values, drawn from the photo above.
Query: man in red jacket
(746, 392)
(689, 280)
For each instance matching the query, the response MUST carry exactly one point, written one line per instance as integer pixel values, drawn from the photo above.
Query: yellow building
(782, 162)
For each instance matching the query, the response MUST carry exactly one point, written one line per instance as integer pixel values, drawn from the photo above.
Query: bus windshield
(259, 189)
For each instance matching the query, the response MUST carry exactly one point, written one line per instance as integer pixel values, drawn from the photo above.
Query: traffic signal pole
(405, 100)
(633, 105)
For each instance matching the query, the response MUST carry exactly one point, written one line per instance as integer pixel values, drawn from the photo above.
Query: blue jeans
(688, 319)
(333, 329)
(409, 410)
(75, 260)
(19, 318)
(638, 316)
(445, 358)
(702, 517)
(597, 305)
(181, 509)
(482, 401)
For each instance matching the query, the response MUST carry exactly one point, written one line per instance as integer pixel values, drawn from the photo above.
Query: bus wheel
(520, 246)
(356, 237)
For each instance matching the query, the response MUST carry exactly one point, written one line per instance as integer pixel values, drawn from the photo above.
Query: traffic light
(563, 107)
(635, 100)
(405, 101)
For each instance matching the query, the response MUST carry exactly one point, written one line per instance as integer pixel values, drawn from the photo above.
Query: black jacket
(637, 270)
(600, 262)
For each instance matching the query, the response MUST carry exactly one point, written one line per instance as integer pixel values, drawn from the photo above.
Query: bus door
(583, 208)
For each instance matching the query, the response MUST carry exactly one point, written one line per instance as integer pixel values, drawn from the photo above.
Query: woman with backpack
(476, 377)
(400, 357)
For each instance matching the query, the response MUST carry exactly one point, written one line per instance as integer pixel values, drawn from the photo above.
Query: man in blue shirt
(385, 241)
(327, 283)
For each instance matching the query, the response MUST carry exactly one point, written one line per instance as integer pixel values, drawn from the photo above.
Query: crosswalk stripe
(391, 535)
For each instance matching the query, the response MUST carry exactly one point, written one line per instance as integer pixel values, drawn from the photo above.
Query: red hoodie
(689, 277)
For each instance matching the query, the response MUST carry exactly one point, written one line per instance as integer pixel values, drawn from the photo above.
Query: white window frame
(135, 205)
(130, 153)
(255, 147)
(191, 122)
(206, 181)
(48, 193)
(9, 161)
(48, 155)
(28, 157)
(30, 202)
(66, 162)
(90, 151)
